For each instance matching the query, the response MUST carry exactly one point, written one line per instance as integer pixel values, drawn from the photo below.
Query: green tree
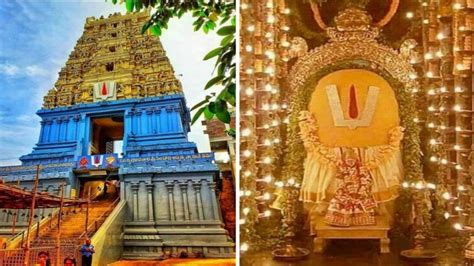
(209, 15)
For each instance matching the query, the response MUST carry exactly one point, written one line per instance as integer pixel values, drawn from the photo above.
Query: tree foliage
(208, 16)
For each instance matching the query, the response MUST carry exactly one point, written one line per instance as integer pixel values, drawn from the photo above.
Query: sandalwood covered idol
(351, 132)
(352, 137)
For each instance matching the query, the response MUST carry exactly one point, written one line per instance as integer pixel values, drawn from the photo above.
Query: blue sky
(36, 38)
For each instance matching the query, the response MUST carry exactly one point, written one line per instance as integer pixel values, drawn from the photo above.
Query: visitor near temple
(87, 251)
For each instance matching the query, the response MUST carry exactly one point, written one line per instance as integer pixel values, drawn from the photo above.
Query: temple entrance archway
(106, 135)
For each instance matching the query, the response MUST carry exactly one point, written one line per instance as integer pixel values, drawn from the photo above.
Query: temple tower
(117, 113)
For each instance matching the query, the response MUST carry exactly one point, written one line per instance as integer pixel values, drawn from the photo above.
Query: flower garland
(326, 155)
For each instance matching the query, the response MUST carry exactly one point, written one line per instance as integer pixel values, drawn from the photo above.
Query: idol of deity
(353, 161)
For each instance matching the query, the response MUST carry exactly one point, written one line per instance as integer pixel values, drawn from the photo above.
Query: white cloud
(19, 131)
(8, 69)
(28, 118)
(31, 70)
(26, 11)
(35, 70)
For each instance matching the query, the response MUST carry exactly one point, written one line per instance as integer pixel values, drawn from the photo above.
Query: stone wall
(108, 240)
(174, 213)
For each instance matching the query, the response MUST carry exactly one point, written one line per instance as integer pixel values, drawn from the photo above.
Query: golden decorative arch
(348, 46)
(384, 21)
(353, 45)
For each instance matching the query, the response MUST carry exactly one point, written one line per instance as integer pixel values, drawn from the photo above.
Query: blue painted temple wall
(151, 123)
(155, 141)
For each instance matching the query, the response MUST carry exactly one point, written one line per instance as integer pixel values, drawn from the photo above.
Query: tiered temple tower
(117, 111)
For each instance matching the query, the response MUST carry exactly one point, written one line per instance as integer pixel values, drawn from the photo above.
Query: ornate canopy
(353, 38)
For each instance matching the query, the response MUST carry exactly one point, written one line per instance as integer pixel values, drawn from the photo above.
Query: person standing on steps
(87, 250)
(106, 186)
(117, 187)
(114, 183)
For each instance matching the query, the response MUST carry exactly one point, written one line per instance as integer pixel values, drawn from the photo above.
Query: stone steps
(73, 225)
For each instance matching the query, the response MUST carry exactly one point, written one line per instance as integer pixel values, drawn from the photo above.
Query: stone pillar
(179, 121)
(169, 118)
(197, 193)
(41, 137)
(49, 127)
(215, 206)
(66, 128)
(149, 121)
(149, 188)
(157, 202)
(75, 127)
(135, 187)
(170, 187)
(138, 118)
(156, 119)
(184, 195)
(59, 121)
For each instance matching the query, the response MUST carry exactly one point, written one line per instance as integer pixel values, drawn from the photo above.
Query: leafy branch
(208, 16)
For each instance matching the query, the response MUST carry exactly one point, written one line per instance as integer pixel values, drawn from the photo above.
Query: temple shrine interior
(107, 134)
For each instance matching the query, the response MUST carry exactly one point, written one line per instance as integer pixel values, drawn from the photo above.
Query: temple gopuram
(114, 131)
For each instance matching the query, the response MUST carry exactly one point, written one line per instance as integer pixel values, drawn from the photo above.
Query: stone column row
(185, 200)
(135, 187)
(170, 188)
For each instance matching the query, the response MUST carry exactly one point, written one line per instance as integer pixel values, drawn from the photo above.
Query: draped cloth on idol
(350, 180)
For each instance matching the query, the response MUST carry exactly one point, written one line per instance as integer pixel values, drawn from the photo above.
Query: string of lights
(447, 66)
(264, 45)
